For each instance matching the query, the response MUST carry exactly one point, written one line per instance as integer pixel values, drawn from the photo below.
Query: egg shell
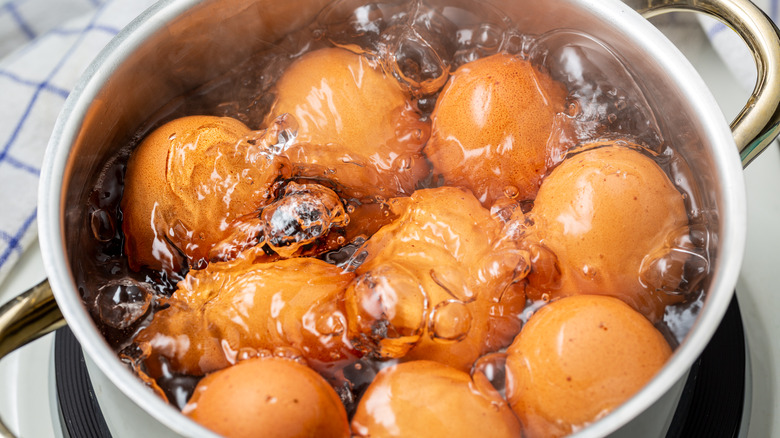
(269, 397)
(356, 125)
(491, 125)
(186, 183)
(602, 212)
(440, 268)
(218, 311)
(577, 359)
(425, 398)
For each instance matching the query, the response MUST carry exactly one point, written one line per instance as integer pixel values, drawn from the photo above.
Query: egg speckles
(187, 184)
(601, 213)
(424, 398)
(577, 359)
(357, 126)
(491, 125)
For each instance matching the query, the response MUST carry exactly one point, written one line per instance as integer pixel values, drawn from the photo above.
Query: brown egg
(491, 125)
(188, 186)
(232, 306)
(437, 283)
(424, 398)
(356, 125)
(603, 213)
(578, 358)
(269, 397)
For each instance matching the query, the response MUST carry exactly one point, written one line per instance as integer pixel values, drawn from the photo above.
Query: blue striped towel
(45, 45)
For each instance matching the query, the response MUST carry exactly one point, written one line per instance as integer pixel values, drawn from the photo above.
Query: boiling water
(420, 46)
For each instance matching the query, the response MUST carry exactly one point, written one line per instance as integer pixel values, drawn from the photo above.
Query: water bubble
(498, 265)
(121, 303)
(330, 324)
(102, 225)
(515, 42)
(698, 236)
(426, 104)
(244, 233)
(518, 225)
(291, 353)
(450, 278)
(523, 267)
(503, 209)
(303, 214)
(545, 274)
(358, 376)
(268, 143)
(178, 388)
(449, 322)
(489, 37)
(246, 353)
(349, 23)
(573, 108)
(134, 355)
(386, 311)
(344, 257)
(414, 60)
(356, 258)
(511, 192)
(677, 267)
(492, 367)
(609, 99)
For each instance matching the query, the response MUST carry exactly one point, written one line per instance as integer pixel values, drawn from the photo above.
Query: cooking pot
(160, 56)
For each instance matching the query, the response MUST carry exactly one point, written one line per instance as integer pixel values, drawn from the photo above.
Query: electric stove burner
(713, 398)
(711, 403)
(79, 410)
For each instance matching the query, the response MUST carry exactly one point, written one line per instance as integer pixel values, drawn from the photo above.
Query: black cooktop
(710, 406)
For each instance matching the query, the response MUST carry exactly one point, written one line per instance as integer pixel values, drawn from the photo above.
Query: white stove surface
(27, 398)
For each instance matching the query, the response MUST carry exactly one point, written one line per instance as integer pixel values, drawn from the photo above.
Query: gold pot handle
(26, 318)
(758, 123)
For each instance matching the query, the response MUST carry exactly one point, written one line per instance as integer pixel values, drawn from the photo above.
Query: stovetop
(29, 405)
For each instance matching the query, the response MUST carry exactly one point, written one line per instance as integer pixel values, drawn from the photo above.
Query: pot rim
(726, 267)
(51, 216)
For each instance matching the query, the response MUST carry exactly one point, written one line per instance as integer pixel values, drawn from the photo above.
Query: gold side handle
(757, 125)
(24, 319)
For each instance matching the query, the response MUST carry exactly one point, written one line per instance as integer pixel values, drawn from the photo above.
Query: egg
(231, 306)
(604, 214)
(577, 359)
(491, 125)
(424, 398)
(356, 126)
(437, 283)
(269, 397)
(188, 186)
